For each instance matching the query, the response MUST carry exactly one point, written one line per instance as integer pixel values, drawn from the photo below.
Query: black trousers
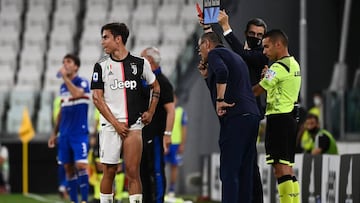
(152, 170)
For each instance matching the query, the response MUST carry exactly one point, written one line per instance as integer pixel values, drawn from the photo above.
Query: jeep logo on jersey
(123, 84)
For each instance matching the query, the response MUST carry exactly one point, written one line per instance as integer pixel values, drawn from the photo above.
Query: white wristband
(168, 133)
(227, 32)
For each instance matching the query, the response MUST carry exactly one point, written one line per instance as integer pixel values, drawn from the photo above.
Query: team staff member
(156, 136)
(282, 83)
(252, 53)
(119, 96)
(227, 78)
(252, 50)
(315, 140)
(72, 125)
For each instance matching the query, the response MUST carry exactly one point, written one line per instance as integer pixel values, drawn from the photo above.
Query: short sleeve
(96, 79)
(148, 75)
(84, 84)
(167, 92)
(272, 76)
(184, 120)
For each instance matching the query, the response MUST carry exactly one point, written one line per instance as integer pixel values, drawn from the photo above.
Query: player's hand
(181, 148)
(166, 143)
(264, 70)
(122, 129)
(52, 141)
(146, 117)
(221, 108)
(63, 71)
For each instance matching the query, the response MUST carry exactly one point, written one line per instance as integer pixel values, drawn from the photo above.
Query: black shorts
(280, 138)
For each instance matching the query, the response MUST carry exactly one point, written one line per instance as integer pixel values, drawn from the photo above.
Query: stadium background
(35, 34)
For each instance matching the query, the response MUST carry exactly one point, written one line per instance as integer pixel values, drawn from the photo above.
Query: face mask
(317, 101)
(313, 131)
(253, 42)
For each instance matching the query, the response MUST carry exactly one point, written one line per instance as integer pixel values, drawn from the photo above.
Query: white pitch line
(42, 199)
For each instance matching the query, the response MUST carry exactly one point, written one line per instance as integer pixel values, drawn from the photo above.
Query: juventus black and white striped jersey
(121, 81)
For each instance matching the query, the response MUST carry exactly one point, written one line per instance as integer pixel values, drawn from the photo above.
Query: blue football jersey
(74, 111)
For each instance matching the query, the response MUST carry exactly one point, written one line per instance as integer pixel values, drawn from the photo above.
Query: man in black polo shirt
(156, 136)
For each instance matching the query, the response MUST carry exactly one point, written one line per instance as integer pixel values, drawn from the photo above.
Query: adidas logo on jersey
(128, 84)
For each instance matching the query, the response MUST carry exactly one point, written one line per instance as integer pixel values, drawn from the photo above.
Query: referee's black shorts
(280, 138)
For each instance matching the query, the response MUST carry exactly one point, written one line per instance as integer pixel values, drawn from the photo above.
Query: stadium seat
(95, 15)
(154, 3)
(52, 83)
(6, 78)
(10, 17)
(38, 16)
(55, 56)
(44, 120)
(188, 18)
(176, 2)
(90, 36)
(96, 3)
(142, 15)
(91, 118)
(120, 13)
(33, 57)
(59, 19)
(136, 50)
(147, 35)
(16, 6)
(20, 98)
(62, 35)
(10, 36)
(46, 98)
(14, 118)
(70, 6)
(89, 55)
(35, 36)
(40, 3)
(173, 34)
(169, 55)
(29, 77)
(8, 57)
(122, 3)
(167, 14)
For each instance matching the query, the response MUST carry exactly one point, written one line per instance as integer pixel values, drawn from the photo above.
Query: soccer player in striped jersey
(121, 99)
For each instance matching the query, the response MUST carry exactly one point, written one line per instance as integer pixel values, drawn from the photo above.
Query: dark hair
(212, 37)
(276, 35)
(117, 29)
(256, 22)
(74, 58)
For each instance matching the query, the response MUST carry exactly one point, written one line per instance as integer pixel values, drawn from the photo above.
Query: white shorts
(110, 142)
